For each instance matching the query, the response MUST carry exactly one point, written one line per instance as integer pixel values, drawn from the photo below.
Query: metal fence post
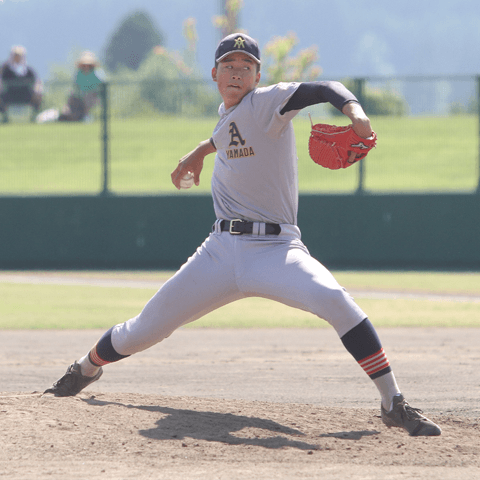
(478, 136)
(105, 138)
(359, 85)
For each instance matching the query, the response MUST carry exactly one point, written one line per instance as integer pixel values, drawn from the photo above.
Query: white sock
(87, 368)
(388, 388)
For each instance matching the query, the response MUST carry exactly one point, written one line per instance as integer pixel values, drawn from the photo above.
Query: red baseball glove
(338, 147)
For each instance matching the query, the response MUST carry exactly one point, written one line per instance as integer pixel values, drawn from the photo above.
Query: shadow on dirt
(350, 435)
(179, 424)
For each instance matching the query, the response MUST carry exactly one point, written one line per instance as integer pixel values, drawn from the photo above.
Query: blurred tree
(228, 22)
(163, 84)
(191, 37)
(459, 108)
(132, 42)
(376, 101)
(279, 65)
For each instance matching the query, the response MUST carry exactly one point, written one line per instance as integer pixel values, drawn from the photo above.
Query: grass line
(50, 306)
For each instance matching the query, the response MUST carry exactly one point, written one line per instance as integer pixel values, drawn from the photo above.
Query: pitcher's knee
(136, 335)
(339, 309)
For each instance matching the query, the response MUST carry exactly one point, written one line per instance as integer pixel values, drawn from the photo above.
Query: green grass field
(46, 306)
(427, 154)
(413, 154)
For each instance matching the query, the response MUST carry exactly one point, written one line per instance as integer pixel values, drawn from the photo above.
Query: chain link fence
(428, 130)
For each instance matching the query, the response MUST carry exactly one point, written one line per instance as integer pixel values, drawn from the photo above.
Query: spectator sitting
(85, 95)
(19, 83)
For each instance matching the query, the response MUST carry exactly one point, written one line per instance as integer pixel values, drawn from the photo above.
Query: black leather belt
(239, 227)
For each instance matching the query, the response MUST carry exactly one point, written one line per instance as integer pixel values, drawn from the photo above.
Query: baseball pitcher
(255, 248)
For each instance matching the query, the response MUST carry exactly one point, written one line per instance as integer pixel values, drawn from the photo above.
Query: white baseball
(187, 181)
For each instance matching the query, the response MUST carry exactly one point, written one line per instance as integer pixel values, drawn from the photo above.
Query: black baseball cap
(237, 42)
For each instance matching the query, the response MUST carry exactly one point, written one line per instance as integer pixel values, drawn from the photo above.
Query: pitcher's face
(236, 76)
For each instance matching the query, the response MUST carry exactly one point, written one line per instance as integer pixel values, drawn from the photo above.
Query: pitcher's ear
(214, 74)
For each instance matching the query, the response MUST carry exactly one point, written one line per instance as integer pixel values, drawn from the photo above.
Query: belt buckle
(232, 224)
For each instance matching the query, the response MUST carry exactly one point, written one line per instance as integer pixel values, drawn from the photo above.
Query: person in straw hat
(85, 95)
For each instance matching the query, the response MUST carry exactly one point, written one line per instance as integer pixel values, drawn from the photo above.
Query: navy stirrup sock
(363, 343)
(103, 351)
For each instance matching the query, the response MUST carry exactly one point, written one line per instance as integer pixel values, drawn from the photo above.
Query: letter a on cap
(239, 43)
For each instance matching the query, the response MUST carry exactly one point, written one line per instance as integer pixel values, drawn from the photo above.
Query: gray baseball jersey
(254, 179)
(255, 174)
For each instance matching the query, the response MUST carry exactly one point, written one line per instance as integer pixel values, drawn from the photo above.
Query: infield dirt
(238, 404)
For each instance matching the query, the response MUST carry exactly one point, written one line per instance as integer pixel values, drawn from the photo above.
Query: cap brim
(236, 51)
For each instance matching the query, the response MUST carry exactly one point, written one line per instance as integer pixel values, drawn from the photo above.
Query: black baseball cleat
(404, 416)
(72, 382)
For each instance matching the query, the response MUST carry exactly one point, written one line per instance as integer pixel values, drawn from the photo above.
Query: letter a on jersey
(235, 137)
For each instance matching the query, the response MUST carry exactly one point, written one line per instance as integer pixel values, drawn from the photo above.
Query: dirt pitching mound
(116, 436)
(238, 404)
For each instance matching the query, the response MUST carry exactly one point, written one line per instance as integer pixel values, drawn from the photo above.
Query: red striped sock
(103, 351)
(376, 365)
(95, 359)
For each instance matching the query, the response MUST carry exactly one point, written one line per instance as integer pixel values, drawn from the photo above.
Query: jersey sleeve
(267, 103)
(312, 93)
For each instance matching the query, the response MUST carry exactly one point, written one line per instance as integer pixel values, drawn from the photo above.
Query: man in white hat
(19, 83)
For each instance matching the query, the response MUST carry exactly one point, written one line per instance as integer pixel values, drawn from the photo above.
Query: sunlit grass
(427, 154)
(52, 306)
